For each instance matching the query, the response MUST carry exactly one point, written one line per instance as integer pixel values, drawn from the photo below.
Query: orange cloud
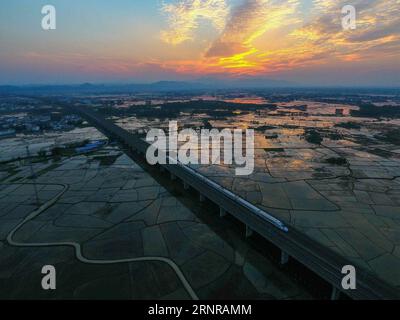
(318, 40)
(184, 17)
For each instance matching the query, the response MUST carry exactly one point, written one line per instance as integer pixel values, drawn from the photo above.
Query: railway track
(323, 261)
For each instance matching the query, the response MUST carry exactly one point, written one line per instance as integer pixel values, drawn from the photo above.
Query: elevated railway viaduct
(292, 243)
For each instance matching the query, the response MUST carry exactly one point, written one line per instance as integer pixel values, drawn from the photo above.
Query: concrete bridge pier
(222, 212)
(249, 232)
(335, 295)
(284, 257)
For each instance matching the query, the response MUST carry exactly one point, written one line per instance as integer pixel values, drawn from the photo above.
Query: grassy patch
(313, 136)
(106, 160)
(381, 152)
(337, 161)
(391, 136)
(274, 150)
(264, 128)
(45, 170)
(348, 125)
(10, 171)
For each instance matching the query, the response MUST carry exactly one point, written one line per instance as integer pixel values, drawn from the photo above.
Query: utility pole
(33, 175)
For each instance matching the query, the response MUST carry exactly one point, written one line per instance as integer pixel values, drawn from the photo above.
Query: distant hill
(161, 86)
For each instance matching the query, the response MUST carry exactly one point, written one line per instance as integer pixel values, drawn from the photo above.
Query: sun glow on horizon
(186, 39)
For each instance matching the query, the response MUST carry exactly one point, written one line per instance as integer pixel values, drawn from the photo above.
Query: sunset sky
(105, 41)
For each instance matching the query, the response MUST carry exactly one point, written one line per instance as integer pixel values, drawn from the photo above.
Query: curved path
(77, 246)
